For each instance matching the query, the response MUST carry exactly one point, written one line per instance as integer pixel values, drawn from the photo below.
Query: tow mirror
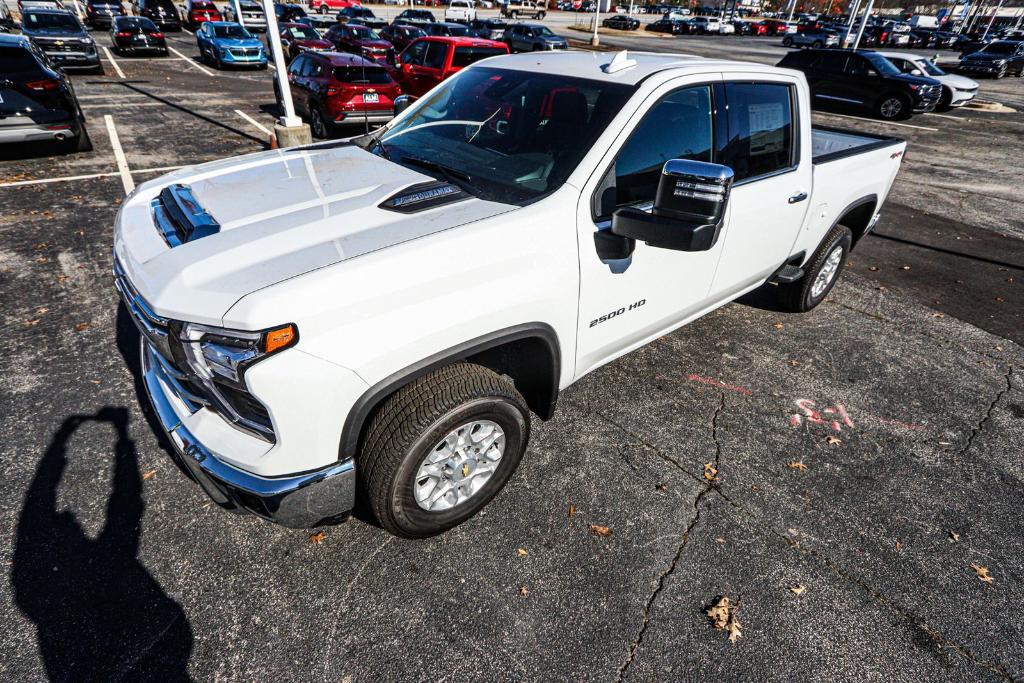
(402, 103)
(688, 211)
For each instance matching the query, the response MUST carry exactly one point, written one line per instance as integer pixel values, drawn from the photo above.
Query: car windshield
(884, 66)
(51, 22)
(363, 33)
(135, 24)
(372, 75)
(544, 32)
(999, 48)
(231, 31)
(453, 30)
(362, 12)
(16, 59)
(506, 136)
(929, 67)
(303, 33)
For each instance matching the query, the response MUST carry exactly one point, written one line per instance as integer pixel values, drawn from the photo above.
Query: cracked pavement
(117, 566)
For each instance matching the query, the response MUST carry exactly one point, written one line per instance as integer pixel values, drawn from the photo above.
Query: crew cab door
(626, 302)
(769, 151)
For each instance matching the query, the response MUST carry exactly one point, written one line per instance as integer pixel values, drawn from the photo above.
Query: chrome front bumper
(298, 501)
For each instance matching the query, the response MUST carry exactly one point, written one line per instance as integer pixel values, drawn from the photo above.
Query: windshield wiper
(452, 175)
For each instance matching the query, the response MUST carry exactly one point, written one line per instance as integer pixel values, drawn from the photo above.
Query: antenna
(620, 62)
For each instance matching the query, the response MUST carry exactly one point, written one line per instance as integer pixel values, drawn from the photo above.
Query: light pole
(595, 41)
(854, 7)
(863, 23)
(238, 12)
(290, 129)
(993, 17)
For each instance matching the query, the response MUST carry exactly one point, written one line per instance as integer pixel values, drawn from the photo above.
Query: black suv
(101, 13)
(864, 81)
(996, 59)
(160, 12)
(37, 101)
(59, 34)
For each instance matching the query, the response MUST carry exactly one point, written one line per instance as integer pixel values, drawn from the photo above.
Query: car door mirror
(402, 102)
(688, 211)
(916, 72)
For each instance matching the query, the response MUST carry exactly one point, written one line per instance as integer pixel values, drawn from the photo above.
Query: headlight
(217, 354)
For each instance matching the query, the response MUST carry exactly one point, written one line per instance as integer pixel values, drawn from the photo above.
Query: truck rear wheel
(441, 448)
(820, 273)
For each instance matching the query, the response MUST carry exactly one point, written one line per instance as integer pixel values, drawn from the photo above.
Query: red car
(329, 89)
(758, 28)
(774, 27)
(198, 11)
(360, 40)
(298, 38)
(428, 61)
(325, 6)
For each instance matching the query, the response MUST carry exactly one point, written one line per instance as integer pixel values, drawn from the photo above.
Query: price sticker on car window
(767, 122)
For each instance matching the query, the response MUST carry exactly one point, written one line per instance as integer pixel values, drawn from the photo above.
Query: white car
(956, 90)
(726, 28)
(382, 316)
(461, 11)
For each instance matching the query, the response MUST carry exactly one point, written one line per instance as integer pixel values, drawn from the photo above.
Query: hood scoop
(423, 196)
(180, 218)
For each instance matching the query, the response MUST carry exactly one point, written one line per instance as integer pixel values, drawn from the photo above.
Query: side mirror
(916, 72)
(688, 208)
(402, 102)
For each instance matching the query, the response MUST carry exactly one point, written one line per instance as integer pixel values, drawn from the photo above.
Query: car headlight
(218, 354)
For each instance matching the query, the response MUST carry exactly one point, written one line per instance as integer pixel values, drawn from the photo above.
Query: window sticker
(767, 122)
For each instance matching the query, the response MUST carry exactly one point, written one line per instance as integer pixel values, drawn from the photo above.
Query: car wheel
(1002, 71)
(439, 449)
(99, 70)
(317, 122)
(323, 9)
(820, 274)
(816, 45)
(893, 107)
(82, 142)
(540, 17)
(944, 100)
(515, 15)
(787, 42)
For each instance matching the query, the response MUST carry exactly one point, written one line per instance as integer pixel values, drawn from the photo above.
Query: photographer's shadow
(99, 614)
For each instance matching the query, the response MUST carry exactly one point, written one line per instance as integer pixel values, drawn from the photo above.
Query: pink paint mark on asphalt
(721, 385)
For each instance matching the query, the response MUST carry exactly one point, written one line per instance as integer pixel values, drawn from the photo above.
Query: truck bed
(829, 144)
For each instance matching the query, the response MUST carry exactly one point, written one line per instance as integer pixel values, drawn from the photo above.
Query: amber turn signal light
(279, 338)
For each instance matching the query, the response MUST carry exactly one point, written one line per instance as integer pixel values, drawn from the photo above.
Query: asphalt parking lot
(844, 475)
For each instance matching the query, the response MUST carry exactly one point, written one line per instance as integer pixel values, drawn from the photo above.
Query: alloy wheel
(458, 467)
(891, 107)
(828, 272)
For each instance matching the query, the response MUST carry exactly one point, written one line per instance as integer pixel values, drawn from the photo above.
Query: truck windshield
(511, 136)
(52, 22)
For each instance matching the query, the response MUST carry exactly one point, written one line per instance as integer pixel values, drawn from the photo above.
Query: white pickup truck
(379, 317)
(460, 10)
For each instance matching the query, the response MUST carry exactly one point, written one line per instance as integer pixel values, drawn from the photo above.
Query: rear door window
(761, 129)
(17, 60)
(436, 53)
(464, 56)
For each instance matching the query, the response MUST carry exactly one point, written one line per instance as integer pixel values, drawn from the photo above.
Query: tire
(816, 45)
(944, 100)
(540, 16)
(1002, 72)
(514, 15)
(787, 42)
(323, 9)
(82, 142)
(806, 293)
(317, 124)
(893, 107)
(99, 70)
(415, 422)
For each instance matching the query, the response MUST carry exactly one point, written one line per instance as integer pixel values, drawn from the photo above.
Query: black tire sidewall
(403, 508)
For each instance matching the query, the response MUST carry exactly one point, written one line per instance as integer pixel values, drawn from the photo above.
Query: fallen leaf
(31, 323)
(95, 381)
(833, 440)
(662, 487)
(873, 268)
(720, 541)
(796, 465)
(794, 363)
(904, 267)
(599, 530)
(81, 327)
(954, 536)
(982, 573)
(572, 510)
(899, 546)
(318, 537)
(797, 589)
(734, 626)
(710, 471)
(1000, 299)
(523, 590)
(719, 613)
(778, 326)
(148, 475)
(755, 487)
(938, 315)
(521, 552)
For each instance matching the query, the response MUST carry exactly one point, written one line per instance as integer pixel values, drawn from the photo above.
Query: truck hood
(281, 214)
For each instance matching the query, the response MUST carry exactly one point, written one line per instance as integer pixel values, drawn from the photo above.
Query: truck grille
(238, 408)
(180, 218)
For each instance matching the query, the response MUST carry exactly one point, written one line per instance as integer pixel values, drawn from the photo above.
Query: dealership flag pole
(863, 23)
(993, 17)
(595, 41)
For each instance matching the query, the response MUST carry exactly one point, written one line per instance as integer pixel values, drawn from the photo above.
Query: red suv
(428, 61)
(198, 11)
(360, 40)
(325, 6)
(329, 88)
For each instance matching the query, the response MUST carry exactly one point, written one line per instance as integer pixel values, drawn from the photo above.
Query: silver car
(812, 37)
(956, 90)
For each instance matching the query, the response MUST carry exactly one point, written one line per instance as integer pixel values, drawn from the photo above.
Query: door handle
(798, 197)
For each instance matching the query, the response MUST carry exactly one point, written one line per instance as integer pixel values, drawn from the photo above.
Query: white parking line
(187, 31)
(113, 63)
(254, 122)
(122, 162)
(191, 62)
(947, 116)
(889, 123)
(87, 176)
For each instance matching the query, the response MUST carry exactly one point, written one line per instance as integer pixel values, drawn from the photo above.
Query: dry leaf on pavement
(982, 573)
(954, 536)
(796, 465)
(521, 552)
(523, 590)
(723, 617)
(148, 475)
(710, 471)
(797, 589)
(833, 440)
(599, 530)
(734, 626)
(318, 537)
(778, 326)
(81, 327)
(572, 510)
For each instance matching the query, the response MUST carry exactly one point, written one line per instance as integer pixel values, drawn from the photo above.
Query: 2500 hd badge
(609, 316)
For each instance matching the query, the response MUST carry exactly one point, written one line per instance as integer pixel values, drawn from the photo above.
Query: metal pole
(597, 15)
(853, 9)
(238, 13)
(860, 31)
(993, 17)
(792, 6)
(289, 120)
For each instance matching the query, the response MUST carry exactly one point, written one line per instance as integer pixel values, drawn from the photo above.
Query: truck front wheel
(441, 447)
(820, 273)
